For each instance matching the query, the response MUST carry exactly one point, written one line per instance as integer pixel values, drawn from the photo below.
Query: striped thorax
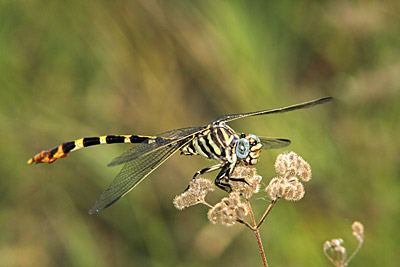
(216, 142)
(222, 143)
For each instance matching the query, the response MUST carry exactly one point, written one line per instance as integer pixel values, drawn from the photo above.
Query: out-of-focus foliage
(86, 68)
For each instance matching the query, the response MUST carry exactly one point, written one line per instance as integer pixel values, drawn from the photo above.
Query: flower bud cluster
(228, 210)
(289, 189)
(195, 194)
(291, 167)
(337, 253)
(290, 164)
(358, 231)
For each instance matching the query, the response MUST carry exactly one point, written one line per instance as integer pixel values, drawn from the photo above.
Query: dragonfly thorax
(215, 142)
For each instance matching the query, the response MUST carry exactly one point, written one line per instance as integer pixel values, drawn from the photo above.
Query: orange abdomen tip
(38, 158)
(47, 156)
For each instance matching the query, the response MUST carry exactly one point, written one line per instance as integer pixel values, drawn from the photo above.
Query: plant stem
(207, 204)
(260, 247)
(257, 233)
(354, 253)
(329, 257)
(246, 224)
(270, 206)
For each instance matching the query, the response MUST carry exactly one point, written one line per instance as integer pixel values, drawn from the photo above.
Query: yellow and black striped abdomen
(216, 142)
(61, 151)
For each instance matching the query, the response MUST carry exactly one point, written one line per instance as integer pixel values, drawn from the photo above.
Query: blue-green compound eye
(242, 148)
(255, 137)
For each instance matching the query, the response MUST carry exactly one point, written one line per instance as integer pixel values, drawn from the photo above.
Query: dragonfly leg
(224, 173)
(206, 170)
(238, 180)
(203, 171)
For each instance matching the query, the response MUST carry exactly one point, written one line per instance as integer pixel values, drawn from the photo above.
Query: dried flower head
(290, 164)
(340, 255)
(294, 190)
(228, 210)
(291, 167)
(358, 231)
(336, 242)
(196, 192)
(276, 188)
(335, 252)
(289, 189)
(252, 184)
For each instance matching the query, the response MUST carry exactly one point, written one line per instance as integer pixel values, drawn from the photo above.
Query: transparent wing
(309, 104)
(182, 132)
(273, 143)
(133, 173)
(148, 146)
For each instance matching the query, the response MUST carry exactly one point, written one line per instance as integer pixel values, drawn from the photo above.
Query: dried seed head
(241, 211)
(228, 210)
(341, 250)
(184, 200)
(341, 255)
(291, 164)
(201, 186)
(244, 171)
(304, 172)
(228, 216)
(336, 242)
(212, 213)
(291, 167)
(227, 201)
(294, 190)
(327, 245)
(281, 164)
(198, 189)
(219, 207)
(250, 175)
(358, 231)
(335, 252)
(276, 188)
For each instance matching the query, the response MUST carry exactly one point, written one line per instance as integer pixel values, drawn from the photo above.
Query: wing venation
(133, 173)
(148, 146)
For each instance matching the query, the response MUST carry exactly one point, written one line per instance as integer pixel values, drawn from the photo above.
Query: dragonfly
(215, 141)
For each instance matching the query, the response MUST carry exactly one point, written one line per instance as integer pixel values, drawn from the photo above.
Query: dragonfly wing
(140, 150)
(182, 132)
(273, 143)
(148, 146)
(132, 174)
(308, 104)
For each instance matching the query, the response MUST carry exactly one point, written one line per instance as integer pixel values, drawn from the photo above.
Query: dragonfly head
(248, 148)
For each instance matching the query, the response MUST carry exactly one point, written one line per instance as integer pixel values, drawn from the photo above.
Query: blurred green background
(86, 68)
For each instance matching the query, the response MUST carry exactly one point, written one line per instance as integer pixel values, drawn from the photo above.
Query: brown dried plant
(337, 254)
(292, 171)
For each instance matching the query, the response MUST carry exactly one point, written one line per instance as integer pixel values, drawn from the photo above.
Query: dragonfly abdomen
(216, 142)
(61, 151)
